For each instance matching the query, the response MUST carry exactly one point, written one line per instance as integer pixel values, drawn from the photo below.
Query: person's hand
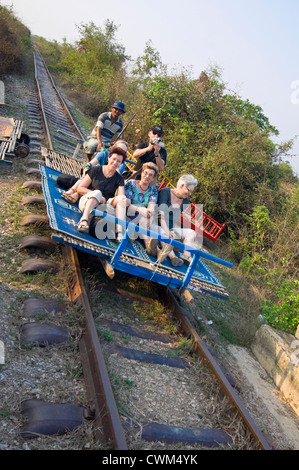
(142, 211)
(86, 167)
(155, 139)
(156, 146)
(150, 212)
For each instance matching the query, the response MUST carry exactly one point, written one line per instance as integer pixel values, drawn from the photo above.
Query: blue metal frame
(129, 256)
(130, 228)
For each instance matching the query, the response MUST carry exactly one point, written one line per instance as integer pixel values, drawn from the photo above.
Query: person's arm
(151, 209)
(95, 160)
(84, 185)
(152, 202)
(99, 137)
(139, 152)
(164, 225)
(164, 204)
(159, 160)
(121, 191)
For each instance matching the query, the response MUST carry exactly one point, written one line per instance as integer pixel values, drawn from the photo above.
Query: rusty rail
(203, 350)
(99, 391)
(96, 376)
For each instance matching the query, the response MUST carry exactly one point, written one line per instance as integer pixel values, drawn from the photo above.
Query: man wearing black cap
(108, 125)
(153, 151)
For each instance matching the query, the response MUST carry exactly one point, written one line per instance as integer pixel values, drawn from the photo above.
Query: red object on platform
(198, 220)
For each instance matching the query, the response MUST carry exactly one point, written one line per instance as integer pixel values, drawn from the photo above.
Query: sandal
(186, 259)
(83, 226)
(175, 261)
(118, 238)
(151, 247)
(164, 252)
(70, 197)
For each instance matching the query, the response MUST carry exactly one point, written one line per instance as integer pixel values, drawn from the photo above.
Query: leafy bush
(15, 43)
(92, 68)
(283, 312)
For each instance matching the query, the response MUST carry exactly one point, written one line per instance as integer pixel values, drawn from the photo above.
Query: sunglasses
(157, 133)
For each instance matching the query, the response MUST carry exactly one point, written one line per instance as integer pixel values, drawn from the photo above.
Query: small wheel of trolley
(22, 146)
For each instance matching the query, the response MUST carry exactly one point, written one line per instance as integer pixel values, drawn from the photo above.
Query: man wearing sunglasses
(153, 151)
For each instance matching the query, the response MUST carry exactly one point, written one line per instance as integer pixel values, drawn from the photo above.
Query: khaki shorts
(182, 233)
(179, 234)
(107, 207)
(90, 145)
(97, 194)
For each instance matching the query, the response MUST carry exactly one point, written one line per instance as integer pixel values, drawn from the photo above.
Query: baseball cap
(157, 129)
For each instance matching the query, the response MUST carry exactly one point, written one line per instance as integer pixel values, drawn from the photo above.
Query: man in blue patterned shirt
(108, 125)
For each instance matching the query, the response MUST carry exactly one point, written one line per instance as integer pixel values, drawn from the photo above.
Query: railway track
(143, 391)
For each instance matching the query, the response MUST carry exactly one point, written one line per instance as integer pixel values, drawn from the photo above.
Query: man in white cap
(108, 125)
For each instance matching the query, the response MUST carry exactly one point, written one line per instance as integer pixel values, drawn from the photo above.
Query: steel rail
(98, 387)
(44, 119)
(94, 368)
(95, 372)
(203, 350)
(64, 105)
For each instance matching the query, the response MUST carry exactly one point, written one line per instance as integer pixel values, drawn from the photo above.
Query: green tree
(149, 64)
(15, 43)
(94, 66)
(250, 112)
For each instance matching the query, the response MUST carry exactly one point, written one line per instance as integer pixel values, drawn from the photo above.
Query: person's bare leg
(89, 206)
(120, 204)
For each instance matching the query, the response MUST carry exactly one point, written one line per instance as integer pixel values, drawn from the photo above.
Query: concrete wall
(278, 353)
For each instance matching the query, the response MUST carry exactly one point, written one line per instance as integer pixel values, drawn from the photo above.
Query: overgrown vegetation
(225, 141)
(15, 43)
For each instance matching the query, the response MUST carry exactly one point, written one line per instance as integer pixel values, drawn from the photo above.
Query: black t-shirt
(149, 156)
(108, 186)
(172, 215)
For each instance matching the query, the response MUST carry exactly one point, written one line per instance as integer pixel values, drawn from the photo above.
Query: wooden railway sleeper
(44, 418)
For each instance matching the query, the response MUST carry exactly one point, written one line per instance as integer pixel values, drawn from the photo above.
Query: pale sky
(255, 43)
